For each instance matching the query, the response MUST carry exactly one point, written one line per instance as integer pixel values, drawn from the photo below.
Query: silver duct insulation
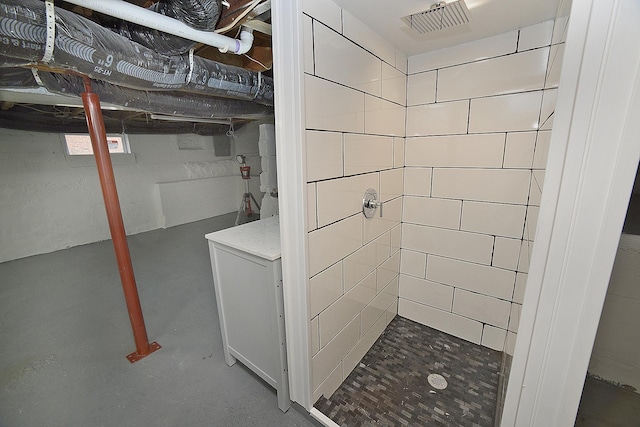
(87, 48)
(198, 14)
(170, 103)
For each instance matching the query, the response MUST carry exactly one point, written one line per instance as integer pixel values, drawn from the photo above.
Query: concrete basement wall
(49, 201)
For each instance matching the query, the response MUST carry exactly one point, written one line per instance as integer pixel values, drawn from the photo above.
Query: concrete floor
(605, 405)
(65, 333)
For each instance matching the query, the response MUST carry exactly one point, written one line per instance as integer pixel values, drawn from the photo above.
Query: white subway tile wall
(417, 181)
(421, 89)
(506, 253)
(382, 117)
(492, 311)
(508, 74)
(398, 152)
(330, 106)
(477, 50)
(308, 44)
(535, 36)
(324, 155)
(314, 332)
(325, 288)
(367, 153)
(443, 213)
(519, 151)
(483, 185)
(438, 119)
(371, 41)
(413, 263)
(312, 222)
(555, 64)
(493, 337)
(427, 292)
(325, 11)
(476, 147)
(514, 112)
(355, 108)
(493, 218)
(391, 184)
(482, 279)
(340, 60)
(465, 151)
(455, 142)
(339, 198)
(362, 262)
(394, 84)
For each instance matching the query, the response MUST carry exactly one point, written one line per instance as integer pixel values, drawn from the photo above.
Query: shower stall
(455, 142)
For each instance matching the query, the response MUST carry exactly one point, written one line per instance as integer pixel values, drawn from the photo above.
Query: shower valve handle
(370, 203)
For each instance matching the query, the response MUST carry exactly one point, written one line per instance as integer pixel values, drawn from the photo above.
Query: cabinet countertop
(260, 238)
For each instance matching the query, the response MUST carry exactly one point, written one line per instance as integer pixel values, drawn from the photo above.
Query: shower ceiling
(488, 18)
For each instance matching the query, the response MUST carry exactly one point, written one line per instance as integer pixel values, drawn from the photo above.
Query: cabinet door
(248, 302)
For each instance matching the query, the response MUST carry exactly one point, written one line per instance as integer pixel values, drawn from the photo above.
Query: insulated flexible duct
(86, 47)
(170, 103)
(198, 14)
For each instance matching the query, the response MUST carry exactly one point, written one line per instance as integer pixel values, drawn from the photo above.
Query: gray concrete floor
(605, 405)
(64, 335)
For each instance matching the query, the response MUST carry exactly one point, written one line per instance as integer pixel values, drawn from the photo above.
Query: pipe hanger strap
(51, 31)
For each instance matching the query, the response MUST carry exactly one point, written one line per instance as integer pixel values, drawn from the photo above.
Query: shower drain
(437, 381)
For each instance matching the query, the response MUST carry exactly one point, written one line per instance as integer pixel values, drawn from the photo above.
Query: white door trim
(592, 163)
(289, 108)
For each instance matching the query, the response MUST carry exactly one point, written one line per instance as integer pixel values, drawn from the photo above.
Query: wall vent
(439, 17)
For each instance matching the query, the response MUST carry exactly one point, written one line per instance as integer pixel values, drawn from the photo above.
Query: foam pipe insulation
(87, 48)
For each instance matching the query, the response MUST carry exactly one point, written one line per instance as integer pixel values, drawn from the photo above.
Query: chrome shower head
(439, 17)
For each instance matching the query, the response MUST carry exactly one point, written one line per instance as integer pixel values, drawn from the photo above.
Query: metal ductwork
(139, 74)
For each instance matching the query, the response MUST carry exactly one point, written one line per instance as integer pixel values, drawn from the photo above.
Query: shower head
(439, 17)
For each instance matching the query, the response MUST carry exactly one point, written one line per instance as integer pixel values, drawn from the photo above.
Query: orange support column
(98, 134)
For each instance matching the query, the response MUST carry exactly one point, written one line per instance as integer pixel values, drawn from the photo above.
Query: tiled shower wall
(477, 120)
(355, 91)
(478, 128)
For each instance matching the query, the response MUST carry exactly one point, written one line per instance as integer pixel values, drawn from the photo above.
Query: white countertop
(260, 238)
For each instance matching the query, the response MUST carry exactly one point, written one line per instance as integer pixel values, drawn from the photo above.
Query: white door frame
(592, 163)
(289, 107)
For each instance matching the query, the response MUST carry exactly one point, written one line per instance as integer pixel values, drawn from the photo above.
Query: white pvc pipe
(147, 18)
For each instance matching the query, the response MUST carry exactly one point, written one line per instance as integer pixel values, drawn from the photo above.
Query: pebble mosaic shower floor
(390, 386)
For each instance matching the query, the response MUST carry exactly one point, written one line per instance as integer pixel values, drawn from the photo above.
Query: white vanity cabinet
(247, 277)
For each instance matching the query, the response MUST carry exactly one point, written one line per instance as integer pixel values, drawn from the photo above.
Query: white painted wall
(616, 351)
(50, 202)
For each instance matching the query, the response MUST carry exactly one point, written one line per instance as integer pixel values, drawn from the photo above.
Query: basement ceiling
(38, 109)
(488, 18)
(260, 51)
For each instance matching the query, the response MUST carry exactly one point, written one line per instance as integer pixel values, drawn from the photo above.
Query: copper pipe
(98, 134)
